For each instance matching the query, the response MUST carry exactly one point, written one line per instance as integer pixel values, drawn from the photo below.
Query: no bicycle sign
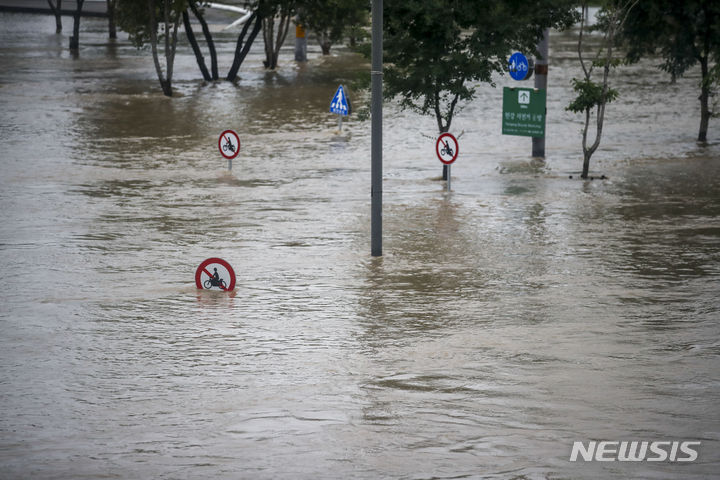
(446, 148)
(229, 144)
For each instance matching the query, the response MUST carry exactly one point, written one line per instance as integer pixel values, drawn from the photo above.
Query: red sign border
(209, 261)
(229, 157)
(457, 149)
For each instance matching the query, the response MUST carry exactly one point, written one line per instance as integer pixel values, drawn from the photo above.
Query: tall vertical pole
(541, 72)
(376, 129)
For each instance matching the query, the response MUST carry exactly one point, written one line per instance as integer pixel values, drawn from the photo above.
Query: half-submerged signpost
(524, 112)
(215, 274)
(229, 146)
(340, 105)
(447, 149)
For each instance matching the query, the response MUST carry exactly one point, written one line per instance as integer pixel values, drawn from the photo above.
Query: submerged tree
(438, 50)
(685, 33)
(154, 21)
(56, 9)
(75, 39)
(275, 14)
(241, 50)
(243, 44)
(591, 95)
(330, 20)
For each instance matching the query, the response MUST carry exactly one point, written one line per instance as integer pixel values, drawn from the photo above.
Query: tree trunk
(268, 28)
(324, 40)
(112, 28)
(75, 39)
(273, 43)
(240, 54)
(586, 165)
(170, 43)
(586, 152)
(196, 48)
(208, 40)
(704, 100)
(57, 11)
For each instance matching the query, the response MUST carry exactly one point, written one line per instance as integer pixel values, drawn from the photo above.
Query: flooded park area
(508, 319)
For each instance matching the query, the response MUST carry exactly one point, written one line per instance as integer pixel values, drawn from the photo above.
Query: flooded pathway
(518, 314)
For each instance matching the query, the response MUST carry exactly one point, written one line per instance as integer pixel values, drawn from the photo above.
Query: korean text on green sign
(523, 112)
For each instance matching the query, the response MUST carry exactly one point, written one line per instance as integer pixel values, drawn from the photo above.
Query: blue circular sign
(518, 66)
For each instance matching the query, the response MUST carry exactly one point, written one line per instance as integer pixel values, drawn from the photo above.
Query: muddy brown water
(518, 314)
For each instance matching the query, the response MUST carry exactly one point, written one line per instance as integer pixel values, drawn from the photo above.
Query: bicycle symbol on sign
(447, 149)
(228, 145)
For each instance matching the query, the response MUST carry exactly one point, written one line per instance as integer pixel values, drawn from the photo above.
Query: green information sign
(523, 112)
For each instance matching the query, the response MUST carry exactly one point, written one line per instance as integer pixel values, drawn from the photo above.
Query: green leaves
(590, 95)
(437, 51)
(334, 18)
(133, 16)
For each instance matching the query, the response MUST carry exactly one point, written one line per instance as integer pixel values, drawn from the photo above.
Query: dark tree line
(438, 51)
(157, 21)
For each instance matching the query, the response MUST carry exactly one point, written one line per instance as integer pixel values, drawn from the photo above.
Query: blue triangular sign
(340, 103)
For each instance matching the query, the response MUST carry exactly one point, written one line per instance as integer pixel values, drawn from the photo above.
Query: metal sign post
(376, 112)
(229, 146)
(447, 150)
(541, 72)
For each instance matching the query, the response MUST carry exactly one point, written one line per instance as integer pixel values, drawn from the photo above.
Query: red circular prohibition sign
(446, 145)
(211, 264)
(227, 148)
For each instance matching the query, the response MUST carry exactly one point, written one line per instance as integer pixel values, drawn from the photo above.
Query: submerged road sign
(229, 144)
(340, 103)
(446, 148)
(523, 112)
(215, 274)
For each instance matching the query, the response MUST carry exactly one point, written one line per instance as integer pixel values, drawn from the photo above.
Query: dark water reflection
(518, 314)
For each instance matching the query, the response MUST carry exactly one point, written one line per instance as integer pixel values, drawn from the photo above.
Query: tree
(593, 96)
(284, 10)
(331, 19)
(57, 11)
(154, 20)
(438, 50)
(242, 47)
(241, 50)
(685, 33)
(196, 48)
(75, 39)
(199, 14)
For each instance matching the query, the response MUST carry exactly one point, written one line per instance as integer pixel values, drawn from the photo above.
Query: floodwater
(520, 313)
